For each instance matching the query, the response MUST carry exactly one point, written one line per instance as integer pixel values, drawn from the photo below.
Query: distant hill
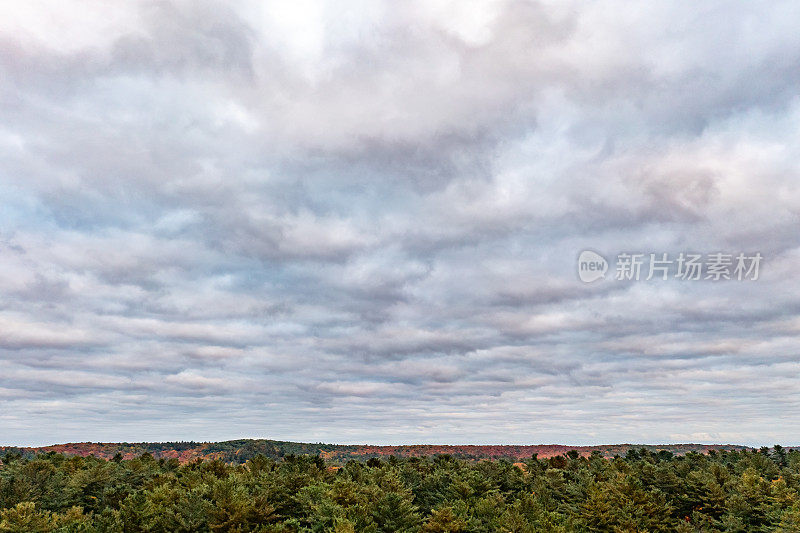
(239, 451)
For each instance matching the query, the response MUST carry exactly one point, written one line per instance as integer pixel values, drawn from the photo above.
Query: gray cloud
(359, 222)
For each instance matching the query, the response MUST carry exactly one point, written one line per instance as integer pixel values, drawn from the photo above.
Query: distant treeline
(240, 451)
(644, 491)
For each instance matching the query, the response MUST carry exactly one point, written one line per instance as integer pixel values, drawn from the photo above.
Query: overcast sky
(359, 221)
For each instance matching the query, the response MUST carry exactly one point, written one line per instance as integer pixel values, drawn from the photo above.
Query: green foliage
(26, 518)
(647, 491)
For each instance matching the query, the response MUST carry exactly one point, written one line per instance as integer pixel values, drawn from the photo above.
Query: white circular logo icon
(591, 266)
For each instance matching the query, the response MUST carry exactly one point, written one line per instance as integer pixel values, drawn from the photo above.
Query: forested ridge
(239, 451)
(643, 491)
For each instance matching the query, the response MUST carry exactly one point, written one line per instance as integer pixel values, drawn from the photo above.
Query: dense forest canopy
(644, 491)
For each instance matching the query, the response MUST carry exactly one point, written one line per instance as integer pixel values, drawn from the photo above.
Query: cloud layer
(359, 221)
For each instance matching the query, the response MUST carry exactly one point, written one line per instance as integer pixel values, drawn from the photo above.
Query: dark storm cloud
(360, 221)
